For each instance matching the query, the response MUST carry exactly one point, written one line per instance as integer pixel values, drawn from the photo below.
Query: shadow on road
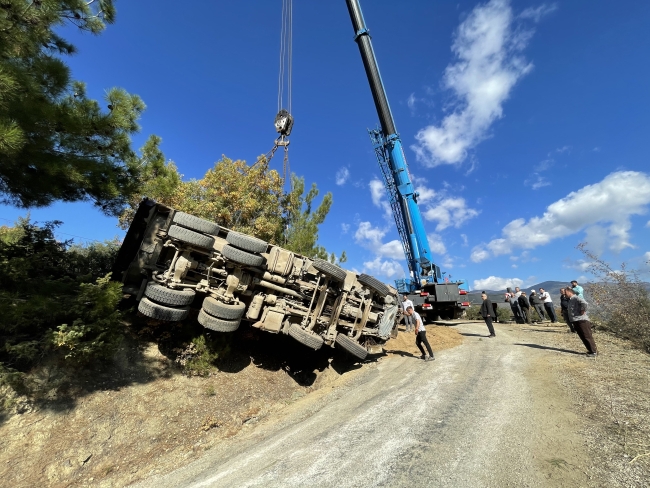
(402, 353)
(474, 335)
(537, 346)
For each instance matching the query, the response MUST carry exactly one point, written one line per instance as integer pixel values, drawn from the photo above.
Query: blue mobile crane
(431, 296)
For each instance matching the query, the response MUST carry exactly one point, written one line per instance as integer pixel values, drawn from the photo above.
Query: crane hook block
(283, 123)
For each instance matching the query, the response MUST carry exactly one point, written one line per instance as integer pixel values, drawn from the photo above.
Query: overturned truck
(172, 262)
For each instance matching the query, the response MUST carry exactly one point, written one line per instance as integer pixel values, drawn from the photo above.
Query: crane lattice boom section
(383, 158)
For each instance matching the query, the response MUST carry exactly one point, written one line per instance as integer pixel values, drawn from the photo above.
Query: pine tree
(301, 233)
(55, 143)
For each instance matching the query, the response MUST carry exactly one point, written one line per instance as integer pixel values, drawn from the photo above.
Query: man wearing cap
(577, 289)
(578, 316)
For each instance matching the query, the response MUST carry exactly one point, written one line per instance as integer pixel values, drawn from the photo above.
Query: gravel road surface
(484, 414)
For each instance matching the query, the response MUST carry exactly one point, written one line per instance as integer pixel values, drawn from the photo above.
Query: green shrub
(56, 299)
(198, 357)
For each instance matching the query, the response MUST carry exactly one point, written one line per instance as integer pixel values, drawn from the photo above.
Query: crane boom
(392, 161)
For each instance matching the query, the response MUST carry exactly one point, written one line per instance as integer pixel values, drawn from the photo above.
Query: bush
(619, 301)
(199, 356)
(57, 300)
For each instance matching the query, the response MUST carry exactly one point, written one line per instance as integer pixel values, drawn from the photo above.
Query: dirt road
(486, 413)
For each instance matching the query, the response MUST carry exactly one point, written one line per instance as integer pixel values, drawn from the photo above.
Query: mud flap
(387, 322)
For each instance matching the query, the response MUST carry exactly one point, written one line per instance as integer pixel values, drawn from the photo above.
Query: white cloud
(603, 209)
(464, 238)
(342, 176)
(536, 14)
(537, 181)
(345, 228)
(479, 254)
(369, 236)
(435, 244)
(389, 269)
(646, 256)
(496, 284)
(448, 212)
(392, 249)
(488, 65)
(647, 223)
(378, 195)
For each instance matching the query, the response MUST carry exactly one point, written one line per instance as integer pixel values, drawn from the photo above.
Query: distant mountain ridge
(553, 287)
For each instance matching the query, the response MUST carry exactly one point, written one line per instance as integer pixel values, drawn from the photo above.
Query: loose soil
(142, 417)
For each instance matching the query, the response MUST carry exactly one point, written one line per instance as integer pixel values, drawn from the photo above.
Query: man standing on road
(420, 334)
(486, 312)
(578, 316)
(536, 303)
(408, 320)
(564, 306)
(514, 306)
(548, 305)
(577, 289)
(524, 304)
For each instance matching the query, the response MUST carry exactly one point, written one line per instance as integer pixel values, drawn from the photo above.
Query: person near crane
(408, 319)
(421, 335)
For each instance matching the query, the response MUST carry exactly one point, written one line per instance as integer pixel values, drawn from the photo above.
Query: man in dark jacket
(525, 306)
(564, 305)
(487, 312)
(537, 304)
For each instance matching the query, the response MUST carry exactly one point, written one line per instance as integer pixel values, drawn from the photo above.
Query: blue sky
(525, 123)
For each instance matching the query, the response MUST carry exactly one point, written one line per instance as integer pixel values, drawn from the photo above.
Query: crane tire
(305, 337)
(351, 346)
(242, 257)
(246, 243)
(160, 312)
(167, 296)
(222, 310)
(217, 324)
(329, 269)
(190, 237)
(195, 223)
(374, 284)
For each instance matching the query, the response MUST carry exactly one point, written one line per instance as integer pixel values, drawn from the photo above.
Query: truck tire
(161, 312)
(195, 223)
(167, 296)
(351, 346)
(242, 257)
(216, 324)
(329, 269)
(190, 237)
(305, 337)
(222, 310)
(373, 284)
(246, 243)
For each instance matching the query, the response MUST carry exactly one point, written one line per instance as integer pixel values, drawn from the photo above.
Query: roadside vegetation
(619, 299)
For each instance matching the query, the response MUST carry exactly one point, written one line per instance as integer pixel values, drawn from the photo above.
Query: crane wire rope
(283, 119)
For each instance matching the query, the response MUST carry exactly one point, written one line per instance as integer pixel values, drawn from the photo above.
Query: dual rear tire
(162, 303)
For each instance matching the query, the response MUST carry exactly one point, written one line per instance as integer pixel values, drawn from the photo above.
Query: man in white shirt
(421, 335)
(408, 320)
(548, 304)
